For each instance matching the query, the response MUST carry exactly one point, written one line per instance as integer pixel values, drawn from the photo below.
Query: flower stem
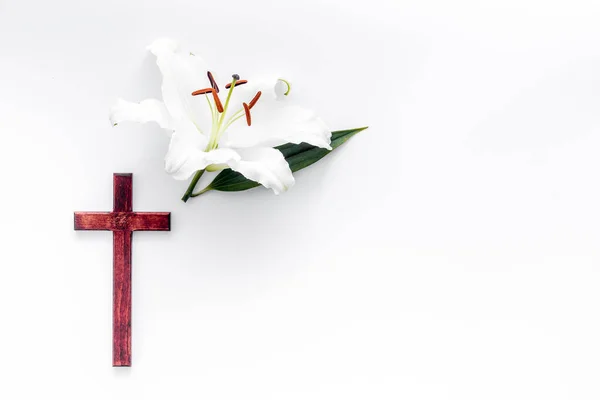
(206, 189)
(193, 183)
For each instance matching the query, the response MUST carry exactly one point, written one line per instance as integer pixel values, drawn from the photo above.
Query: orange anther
(217, 101)
(248, 116)
(213, 83)
(202, 91)
(254, 100)
(237, 83)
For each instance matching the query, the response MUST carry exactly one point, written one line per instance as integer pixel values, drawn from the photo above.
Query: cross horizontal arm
(122, 221)
(93, 221)
(150, 221)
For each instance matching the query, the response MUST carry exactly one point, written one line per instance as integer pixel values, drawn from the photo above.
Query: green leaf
(298, 156)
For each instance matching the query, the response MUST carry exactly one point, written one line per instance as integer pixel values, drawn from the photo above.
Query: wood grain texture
(121, 298)
(119, 221)
(122, 221)
(122, 192)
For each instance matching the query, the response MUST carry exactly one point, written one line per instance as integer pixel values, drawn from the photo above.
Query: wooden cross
(122, 222)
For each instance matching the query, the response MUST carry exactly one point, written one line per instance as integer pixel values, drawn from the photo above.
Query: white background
(448, 252)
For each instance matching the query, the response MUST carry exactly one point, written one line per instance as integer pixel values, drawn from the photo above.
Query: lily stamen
(217, 101)
(254, 99)
(202, 91)
(237, 83)
(213, 83)
(248, 116)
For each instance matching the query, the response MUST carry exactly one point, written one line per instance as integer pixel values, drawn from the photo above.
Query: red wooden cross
(122, 222)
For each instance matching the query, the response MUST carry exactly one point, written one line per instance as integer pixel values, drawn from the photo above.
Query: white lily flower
(238, 132)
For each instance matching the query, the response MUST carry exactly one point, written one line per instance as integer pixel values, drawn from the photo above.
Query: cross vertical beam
(122, 199)
(121, 298)
(122, 222)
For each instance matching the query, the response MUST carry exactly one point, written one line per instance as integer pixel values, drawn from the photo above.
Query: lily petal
(150, 110)
(275, 123)
(186, 153)
(271, 87)
(183, 73)
(275, 119)
(266, 166)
